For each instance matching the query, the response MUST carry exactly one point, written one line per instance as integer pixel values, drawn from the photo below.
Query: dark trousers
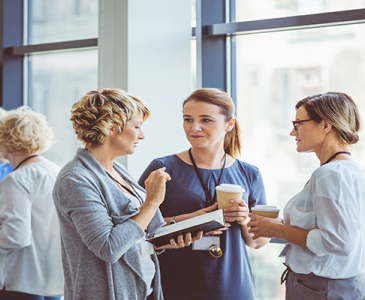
(312, 287)
(10, 295)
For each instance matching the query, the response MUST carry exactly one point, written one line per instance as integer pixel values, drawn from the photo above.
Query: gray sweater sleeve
(81, 200)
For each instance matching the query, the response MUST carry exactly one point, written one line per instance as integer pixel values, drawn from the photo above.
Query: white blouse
(30, 247)
(332, 207)
(145, 249)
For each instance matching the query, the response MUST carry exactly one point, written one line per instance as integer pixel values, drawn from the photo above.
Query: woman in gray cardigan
(104, 214)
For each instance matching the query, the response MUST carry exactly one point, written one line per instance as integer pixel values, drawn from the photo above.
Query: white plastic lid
(230, 188)
(265, 208)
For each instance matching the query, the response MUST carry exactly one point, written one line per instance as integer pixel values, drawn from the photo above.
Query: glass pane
(66, 20)
(274, 72)
(247, 10)
(267, 268)
(57, 81)
(193, 64)
(193, 13)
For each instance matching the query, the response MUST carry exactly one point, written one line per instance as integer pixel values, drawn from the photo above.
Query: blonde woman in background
(30, 251)
(5, 166)
(325, 222)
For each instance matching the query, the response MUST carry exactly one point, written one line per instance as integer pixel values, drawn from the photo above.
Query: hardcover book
(207, 222)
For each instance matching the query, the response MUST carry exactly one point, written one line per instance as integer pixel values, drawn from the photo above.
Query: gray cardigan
(98, 236)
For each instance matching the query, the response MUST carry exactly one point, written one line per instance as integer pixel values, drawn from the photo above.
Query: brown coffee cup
(267, 211)
(227, 192)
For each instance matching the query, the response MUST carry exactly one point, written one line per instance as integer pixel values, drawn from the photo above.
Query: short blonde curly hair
(23, 130)
(98, 110)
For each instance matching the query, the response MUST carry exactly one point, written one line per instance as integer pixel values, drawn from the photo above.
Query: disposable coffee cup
(268, 211)
(227, 192)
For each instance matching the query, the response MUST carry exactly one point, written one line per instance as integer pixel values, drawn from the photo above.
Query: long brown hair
(232, 139)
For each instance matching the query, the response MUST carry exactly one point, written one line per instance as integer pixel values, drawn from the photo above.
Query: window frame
(211, 36)
(13, 51)
(215, 32)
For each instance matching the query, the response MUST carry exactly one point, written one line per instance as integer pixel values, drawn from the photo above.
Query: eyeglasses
(298, 122)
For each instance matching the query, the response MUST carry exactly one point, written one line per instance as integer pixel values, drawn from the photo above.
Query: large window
(274, 72)
(248, 10)
(57, 79)
(267, 73)
(57, 21)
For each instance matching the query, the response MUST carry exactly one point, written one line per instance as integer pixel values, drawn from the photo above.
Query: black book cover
(207, 222)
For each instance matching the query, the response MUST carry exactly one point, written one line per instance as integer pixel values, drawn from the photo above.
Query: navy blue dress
(191, 274)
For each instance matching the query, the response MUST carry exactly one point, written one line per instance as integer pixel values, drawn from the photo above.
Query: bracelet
(172, 220)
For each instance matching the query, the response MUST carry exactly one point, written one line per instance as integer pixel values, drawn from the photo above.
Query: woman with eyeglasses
(324, 224)
(197, 272)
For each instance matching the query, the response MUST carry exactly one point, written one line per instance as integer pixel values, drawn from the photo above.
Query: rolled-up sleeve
(314, 243)
(338, 216)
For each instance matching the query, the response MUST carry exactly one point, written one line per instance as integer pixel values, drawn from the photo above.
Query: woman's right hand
(181, 242)
(156, 186)
(263, 227)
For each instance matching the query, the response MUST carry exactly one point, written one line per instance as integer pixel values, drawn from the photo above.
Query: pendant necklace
(214, 251)
(24, 160)
(332, 157)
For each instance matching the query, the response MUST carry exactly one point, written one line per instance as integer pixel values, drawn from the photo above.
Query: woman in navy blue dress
(214, 134)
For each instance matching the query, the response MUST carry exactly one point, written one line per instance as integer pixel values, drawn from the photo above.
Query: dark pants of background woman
(10, 295)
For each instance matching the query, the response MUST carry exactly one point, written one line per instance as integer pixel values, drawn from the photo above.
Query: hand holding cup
(227, 192)
(264, 219)
(267, 211)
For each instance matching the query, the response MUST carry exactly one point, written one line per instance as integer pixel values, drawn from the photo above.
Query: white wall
(144, 48)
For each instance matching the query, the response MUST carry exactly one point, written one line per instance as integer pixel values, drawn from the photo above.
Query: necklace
(332, 157)
(214, 251)
(208, 198)
(132, 192)
(24, 160)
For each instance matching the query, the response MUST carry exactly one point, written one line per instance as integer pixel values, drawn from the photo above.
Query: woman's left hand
(237, 213)
(263, 227)
(181, 242)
